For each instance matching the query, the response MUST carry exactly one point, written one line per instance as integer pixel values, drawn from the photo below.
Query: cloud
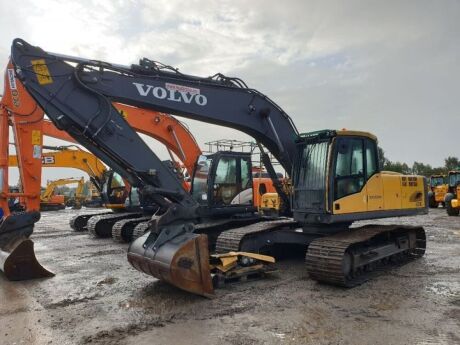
(387, 67)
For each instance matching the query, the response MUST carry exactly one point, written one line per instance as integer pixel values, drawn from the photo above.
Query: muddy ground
(97, 298)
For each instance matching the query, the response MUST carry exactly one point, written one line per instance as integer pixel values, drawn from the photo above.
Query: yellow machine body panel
(269, 203)
(455, 203)
(384, 192)
(69, 158)
(353, 203)
(440, 192)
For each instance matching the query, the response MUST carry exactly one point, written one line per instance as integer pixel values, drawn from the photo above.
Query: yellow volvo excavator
(335, 175)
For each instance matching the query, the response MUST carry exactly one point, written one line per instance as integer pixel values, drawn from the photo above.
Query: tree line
(418, 168)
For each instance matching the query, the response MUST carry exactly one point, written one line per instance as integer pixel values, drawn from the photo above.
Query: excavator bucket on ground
(182, 262)
(17, 256)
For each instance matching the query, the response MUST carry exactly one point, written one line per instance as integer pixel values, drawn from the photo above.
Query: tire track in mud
(118, 334)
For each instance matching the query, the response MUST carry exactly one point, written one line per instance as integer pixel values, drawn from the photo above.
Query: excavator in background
(116, 191)
(334, 174)
(71, 156)
(49, 201)
(451, 198)
(438, 190)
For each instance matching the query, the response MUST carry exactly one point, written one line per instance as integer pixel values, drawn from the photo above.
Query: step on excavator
(335, 175)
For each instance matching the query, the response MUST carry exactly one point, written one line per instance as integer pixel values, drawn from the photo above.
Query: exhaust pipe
(17, 256)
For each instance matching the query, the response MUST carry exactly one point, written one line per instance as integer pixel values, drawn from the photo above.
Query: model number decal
(11, 79)
(13, 87)
(173, 92)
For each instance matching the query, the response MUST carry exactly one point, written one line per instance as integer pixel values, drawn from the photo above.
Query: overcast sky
(388, 67)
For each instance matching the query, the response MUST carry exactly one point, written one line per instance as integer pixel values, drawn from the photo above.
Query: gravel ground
(97, 298)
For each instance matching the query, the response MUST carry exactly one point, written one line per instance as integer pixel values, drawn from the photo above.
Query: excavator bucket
(182, 262)
(17, 256)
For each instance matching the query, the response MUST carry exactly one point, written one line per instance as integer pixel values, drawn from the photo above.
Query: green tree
(397, 167)
(382, 158)
(452, 163)
(419, 168)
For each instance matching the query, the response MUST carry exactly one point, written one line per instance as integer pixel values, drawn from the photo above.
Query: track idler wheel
(17, 256)
(182, 261)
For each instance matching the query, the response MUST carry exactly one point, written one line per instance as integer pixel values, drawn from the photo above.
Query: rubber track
(140, 230)
(122, 231)
(230, 240)
(101, 226)
(324, 258)
(76, 221)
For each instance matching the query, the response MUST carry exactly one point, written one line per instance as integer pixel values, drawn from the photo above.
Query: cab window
(226, 170)
(117, 181)
(246, 180)
(371, 158)
(200, 180)
(225, 183)
(349, 169)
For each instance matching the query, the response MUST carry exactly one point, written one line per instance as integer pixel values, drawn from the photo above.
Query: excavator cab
(223, 179)
(437, 180)
(453, 180)
(114, 191)
(337, 177)
(439, 187)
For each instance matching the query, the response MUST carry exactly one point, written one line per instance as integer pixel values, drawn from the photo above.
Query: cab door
(374, 185)
(232, 180)
(349, 194)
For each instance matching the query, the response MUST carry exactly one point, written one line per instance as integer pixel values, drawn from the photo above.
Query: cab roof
(329, 133)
